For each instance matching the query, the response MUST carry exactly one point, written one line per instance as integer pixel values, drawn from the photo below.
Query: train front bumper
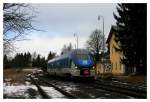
(77, 72)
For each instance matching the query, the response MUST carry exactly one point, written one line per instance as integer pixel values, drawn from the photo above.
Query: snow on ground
(52, 92)
(70, 88)
(20, 91)
(28, 91)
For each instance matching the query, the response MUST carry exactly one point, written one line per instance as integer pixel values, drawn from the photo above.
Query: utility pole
(102, 59)
(75, 35)
(103, 32)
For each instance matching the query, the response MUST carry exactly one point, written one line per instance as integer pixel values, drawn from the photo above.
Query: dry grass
(16, 76)
(136, 79)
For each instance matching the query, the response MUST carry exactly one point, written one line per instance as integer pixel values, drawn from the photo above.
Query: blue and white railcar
(77, 62)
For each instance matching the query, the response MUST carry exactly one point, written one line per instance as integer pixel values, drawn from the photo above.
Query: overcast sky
(61, 21)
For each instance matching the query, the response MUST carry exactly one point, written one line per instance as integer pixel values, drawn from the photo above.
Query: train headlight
(76, 67)
(93, 67)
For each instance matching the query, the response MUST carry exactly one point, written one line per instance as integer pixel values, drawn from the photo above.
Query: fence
(103, 69)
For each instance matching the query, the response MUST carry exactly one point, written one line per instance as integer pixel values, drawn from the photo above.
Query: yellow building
(118, 68)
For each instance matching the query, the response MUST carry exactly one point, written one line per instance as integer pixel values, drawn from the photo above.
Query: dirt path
(16, 76)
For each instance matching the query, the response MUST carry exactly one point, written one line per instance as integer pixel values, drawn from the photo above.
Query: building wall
(103, 68)
(117, 66)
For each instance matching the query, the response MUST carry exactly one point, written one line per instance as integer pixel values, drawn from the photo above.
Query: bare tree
(16, 23)
(66, 48)
(95, 43)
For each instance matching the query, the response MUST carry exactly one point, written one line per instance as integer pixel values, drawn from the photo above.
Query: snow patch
(52, 92)
(19, 91)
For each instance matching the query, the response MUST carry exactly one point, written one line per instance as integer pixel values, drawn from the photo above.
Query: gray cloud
(69, 18)
(61, 21)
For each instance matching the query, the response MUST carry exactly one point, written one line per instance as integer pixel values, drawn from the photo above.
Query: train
(75, 63)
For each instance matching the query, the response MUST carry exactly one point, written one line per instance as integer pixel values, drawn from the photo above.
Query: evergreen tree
(16, 61)
(43, 64)
(131, 21)
(25, 59)
(51, 55)
(22, 60)
(38, 61)
(28, 59)
(5, 62)
(34, 56)
(19, 61)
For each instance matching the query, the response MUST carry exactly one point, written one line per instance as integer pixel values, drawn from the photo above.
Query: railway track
(123, 85)
(59, 89)
(119, 90)
(92, 86)
(41, 91)
(45, 95)
(95, 85)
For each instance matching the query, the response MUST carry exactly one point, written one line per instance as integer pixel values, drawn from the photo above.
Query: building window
(120, 65)
(113, 66)
(116, 65)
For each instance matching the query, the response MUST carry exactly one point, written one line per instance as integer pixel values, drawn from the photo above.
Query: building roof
(112, 31)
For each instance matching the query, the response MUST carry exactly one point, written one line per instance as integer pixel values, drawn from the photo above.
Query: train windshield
(82, 55)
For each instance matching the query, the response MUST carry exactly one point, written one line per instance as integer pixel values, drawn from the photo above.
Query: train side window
(68, 63)
(65, 62)
(49, 65)
(58, 64)
(54, 65)
(62, 63)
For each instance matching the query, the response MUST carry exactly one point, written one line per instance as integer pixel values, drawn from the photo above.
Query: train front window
(82, 56)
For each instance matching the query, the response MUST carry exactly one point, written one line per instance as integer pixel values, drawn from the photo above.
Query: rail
(41, 91)
(60, 90)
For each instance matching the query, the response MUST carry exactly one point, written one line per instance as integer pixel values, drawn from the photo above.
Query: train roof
(57, 58)
(66, 55)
